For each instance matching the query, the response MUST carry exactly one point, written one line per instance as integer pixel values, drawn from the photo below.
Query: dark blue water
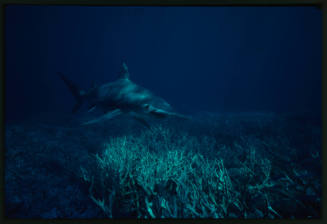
(218, 59)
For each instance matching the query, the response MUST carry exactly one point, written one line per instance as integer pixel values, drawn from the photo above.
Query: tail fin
(77, 93)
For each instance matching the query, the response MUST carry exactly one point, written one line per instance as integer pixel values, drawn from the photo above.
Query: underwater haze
(199, 58)
(163, 112)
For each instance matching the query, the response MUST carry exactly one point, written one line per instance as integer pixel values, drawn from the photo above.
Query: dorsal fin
(124, 74)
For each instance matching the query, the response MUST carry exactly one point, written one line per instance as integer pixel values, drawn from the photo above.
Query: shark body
(121, 97)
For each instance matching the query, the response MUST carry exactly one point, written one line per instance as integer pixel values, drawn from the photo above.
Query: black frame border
(321, 4)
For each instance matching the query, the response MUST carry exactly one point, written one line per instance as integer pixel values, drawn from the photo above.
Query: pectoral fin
(109, 115)
(140, 119)
(162, 113)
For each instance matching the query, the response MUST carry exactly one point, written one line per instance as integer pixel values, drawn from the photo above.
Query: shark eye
(146, 106)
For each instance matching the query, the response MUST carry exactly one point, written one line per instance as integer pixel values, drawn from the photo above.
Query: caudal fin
(77, 92)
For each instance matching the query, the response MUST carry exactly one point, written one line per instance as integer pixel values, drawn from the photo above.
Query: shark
(118, 97)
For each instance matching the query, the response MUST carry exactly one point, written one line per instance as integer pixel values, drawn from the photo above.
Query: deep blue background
(216, 59)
